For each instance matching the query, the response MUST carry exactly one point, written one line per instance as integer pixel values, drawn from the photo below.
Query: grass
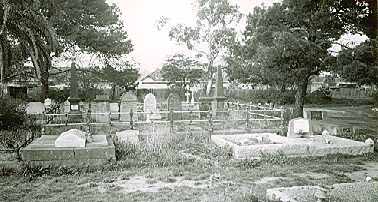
(230, 180)
(185, 156)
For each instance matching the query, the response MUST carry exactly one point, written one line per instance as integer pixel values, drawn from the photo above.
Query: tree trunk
(113, 91)
(45, 87)
(1, 72)
(299, 97)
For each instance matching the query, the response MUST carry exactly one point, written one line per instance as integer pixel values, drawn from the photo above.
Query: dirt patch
(144, 184)
(370, 169)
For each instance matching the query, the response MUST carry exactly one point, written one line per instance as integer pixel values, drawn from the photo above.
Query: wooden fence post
(211, 126)
(171, 120)
(131, 119)
(190, 117)
(110, 118)
(282, 120)
(248, 117)
(66, 119)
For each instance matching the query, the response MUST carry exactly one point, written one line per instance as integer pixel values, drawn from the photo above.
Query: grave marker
(299, 127)
(150, 107)
(128, 101)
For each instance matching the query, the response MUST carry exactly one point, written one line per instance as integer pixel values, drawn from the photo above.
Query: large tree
(210, 37)
(180, 71)
(78, 25)
(25, 32)
(287, 43)
(360, 63)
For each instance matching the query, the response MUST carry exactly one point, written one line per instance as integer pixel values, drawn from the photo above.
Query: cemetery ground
(189, 168)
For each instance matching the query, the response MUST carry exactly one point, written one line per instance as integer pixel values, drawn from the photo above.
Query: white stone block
(299, 127)
(71, 138)
(128, 136)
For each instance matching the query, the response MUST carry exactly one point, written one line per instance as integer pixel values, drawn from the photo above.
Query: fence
(234, 116)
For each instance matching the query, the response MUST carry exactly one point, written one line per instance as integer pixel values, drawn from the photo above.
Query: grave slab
(346, 192)
(42, 151)
(252, 146)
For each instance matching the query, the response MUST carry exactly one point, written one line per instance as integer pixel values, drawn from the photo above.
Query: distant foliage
(59, 96)
(320, 96)
(375, 98)
(263, 96)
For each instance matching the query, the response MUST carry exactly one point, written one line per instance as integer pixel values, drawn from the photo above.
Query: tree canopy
(38, 28)
(210, 37)
(287, 43)
(180, 71)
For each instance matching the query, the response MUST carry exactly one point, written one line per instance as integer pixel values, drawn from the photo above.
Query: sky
(151, 46)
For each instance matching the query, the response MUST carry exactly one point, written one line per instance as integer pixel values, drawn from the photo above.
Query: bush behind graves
(16, 129)
(320, 96)
(58, 96)
(262, 96)
(12, 113)
(375, 98)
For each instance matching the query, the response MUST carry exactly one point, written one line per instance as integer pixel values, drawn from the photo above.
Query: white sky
(151, 46)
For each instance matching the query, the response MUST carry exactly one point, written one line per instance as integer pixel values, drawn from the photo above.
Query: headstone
(129, 101)
(128, 137)
(35, 108)
(66, 106)
(369, 141)
(187, 94)
(174, 104)
(71, 138)
(150, 108)
(114, 110)
(48, 103)
(102, 108)
(299, 127)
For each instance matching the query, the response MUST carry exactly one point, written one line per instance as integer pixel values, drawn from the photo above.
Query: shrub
(16, 129)
(320, 96)
(375, 98)
(59, 96)
(12, 113)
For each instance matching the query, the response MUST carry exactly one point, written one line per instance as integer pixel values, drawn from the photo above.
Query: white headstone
(71, 138)
(299, 127)
(35, 108)
(369, 141)
(128, 137)
(150, 107)
(187, 94)
(114, 109)
(48, 102)
(66, 106)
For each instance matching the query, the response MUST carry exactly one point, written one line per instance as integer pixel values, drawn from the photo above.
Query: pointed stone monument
(216, 102)
(74, 95)
(219, 98)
